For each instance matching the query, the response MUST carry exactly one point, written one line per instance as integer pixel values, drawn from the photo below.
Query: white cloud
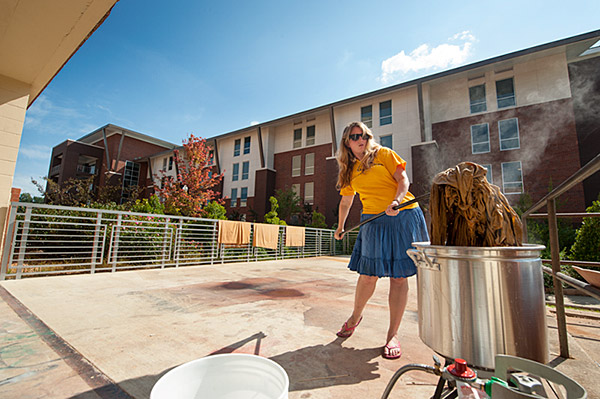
(425, 58)
(254, 123)
(36, 152)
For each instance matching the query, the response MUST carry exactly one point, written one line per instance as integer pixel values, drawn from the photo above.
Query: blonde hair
(345, 157)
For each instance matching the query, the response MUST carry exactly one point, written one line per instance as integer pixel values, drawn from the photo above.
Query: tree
(289, 203)
(26, 197)
(271, 216)
(192, 190)
(74, 192)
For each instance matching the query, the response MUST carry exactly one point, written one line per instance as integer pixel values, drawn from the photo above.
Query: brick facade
(548, 150)
(585, 87)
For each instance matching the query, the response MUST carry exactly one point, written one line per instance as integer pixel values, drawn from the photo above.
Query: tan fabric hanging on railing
(294, 236)
(233, 232)
(266, 235)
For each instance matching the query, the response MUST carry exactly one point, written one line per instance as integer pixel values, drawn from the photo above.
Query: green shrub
(271, 216)
(214, 210)
(587, 242)
(318, 220)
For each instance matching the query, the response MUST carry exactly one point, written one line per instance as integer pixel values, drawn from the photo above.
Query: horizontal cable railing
(48, 240)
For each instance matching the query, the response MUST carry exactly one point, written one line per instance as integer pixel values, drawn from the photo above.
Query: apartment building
(112, 155)
(524, 116)
(530, 117)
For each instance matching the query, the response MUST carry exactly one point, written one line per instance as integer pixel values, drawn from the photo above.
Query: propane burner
(459, 380)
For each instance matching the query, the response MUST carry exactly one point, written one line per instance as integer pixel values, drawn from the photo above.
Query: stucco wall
(14, 96)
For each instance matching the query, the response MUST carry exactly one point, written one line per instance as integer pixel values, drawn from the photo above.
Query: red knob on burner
(461, 370)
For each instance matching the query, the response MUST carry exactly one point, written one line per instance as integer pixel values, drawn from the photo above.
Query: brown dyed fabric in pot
(466, 210)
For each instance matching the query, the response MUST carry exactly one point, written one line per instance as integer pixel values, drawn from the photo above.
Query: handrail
(575, 262)
(579, 285)
(549, 200)
(566, 215)
(586, 171)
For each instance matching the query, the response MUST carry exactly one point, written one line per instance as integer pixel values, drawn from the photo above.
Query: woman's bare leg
(365, 287)
(397, 299)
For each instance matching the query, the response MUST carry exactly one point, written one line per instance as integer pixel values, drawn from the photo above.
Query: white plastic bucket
(226, 376)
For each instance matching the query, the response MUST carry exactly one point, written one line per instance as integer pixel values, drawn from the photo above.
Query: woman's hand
(390, 211)
(338, 233)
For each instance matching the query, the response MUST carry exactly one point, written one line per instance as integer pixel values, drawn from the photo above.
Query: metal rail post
(558, 291)
(23, 243)
(96, 241)
(178, 242)
(164, 250)
(9, 244)
(115, 242)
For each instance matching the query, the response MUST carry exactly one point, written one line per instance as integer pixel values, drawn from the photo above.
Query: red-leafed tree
(192, 190)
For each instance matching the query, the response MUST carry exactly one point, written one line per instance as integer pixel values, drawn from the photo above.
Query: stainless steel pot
(477, 302)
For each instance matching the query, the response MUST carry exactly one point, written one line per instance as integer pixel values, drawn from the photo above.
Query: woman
(378, 174)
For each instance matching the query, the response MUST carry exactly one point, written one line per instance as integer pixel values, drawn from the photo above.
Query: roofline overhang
(129, 133)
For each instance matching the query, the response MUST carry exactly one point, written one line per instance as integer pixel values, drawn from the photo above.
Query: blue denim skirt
(380, 248)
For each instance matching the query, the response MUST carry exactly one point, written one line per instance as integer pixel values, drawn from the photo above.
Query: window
(509, 134)
(245, 170)
(296, 161)
(480, 138)
(236, 172)
(309, 193)
(233, 197)
(236, 147)
(170, 163)
(310, 135)
(296, 189)
(386, 141)
(488, 176)
(165, 163)
(244, 197)
(309, 164)
(131, 178)
(385, 112)
(477, 98)
(505, 93)
(366, 115)
(512, 178)
(211, 157)
(297, 138)
(246, 145)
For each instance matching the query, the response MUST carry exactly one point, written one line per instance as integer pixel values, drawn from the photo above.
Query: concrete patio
(115, 335)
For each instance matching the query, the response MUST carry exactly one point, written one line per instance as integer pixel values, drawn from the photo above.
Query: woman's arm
(402, 178)
(345, 204)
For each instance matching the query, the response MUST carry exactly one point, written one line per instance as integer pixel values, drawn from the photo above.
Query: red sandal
(387, 354)
(346, 331)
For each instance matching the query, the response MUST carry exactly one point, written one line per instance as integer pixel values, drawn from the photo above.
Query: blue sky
(168, 69)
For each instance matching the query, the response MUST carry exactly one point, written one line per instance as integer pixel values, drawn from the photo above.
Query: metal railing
(47, 239)
(549, 201)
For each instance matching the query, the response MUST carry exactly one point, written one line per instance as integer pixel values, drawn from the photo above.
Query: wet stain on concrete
(282, 293)
(269, 287)
(236, 285)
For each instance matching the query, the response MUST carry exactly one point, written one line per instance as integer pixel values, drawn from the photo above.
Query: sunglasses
(355, 137)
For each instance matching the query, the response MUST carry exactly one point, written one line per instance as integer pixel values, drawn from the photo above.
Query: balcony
(86, 169)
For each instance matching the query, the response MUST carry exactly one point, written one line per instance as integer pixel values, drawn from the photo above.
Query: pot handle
(422, 260)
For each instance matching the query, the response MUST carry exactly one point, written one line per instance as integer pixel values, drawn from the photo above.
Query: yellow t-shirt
(377, 186)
